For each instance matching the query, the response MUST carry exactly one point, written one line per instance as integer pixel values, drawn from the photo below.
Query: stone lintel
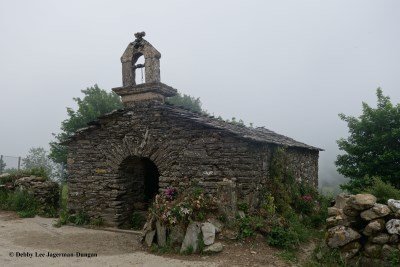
(144, 92)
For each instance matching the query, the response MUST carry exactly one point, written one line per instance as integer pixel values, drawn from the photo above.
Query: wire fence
(9, 163)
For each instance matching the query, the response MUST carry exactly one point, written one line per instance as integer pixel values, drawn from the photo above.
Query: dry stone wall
(180, 148)
(359, 226)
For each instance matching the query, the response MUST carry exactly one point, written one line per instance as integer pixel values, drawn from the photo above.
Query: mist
(290, 66)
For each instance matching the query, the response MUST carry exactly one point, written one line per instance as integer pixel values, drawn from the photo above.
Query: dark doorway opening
(139, 178)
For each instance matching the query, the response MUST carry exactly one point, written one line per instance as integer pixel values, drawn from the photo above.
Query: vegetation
(373, 147)
(95, 102)
(186, 101)
(20, 201)
(2, 165)
(37, 159)
(291, 213)
(383, 191)
(137, 220)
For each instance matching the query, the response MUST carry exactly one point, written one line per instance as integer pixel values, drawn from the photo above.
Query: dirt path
(28, 242)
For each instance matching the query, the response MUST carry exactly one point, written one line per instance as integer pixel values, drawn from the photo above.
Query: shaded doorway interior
(139, 178)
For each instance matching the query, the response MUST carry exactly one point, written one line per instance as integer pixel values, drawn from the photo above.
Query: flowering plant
(173, 207)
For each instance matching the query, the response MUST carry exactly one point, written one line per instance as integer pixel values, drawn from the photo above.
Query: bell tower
(152, 89)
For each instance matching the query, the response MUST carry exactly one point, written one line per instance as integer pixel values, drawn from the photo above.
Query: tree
(373, 147)
(37, 158)
(95, 103)
(186, 101)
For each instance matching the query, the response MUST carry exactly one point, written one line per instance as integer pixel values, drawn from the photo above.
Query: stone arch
(138, 179)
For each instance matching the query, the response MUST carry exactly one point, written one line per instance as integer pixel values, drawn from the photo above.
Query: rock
(377, 211)
(161, 234)
(217, 224)
(333, 211)
(340, 200)
(230, 234)
(208, 231)
(393, 239)
(362, 201)
(349, 211)
(373, 250)
(176, 235)
(214, 248)
(241, 214)
(336, 220)
(388, 252)
(394, 205)
(374, 227)
(149, 237)
(393, 226)
(191, 240)
(382, 238)
(350, 250)
(4, 175)
(227, 199)
(339, 236)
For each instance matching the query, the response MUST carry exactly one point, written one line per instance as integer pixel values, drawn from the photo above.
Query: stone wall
(180, 148)
(358, 226)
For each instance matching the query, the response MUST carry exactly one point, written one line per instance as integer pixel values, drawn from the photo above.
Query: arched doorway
(139, 179)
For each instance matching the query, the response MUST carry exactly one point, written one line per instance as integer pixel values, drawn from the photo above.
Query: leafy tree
(187, 101)
(95, 103)
(373, 147)
(37, 158)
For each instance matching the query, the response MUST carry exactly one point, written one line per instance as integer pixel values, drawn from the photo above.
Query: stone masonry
(120, 161)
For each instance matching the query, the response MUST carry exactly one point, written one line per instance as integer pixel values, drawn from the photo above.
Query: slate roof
(259, 134)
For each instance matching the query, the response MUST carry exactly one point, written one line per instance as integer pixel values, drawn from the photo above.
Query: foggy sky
(290, 66)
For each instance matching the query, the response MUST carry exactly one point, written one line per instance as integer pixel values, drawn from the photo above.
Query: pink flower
(307, 198)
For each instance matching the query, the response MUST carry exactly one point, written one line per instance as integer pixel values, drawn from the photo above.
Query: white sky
(291, 66)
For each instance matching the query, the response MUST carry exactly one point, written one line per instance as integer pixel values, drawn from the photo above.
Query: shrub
(249, 225)
(81, 218)
(97, 222)
(22, 202)
(383, 191)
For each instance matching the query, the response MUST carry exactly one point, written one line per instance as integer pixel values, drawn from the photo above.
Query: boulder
(149, 237)
(217, 224)
(394, 239)
(374, 227)
(336, 220)
(191, 240)
(214, 248)
(373, 250)
(381, 238)
(393, 226)
(350, 250)
(161, 234)
(340, 200)
(394, 205)
(339, 236)
(377, 211)
(208, 231)
(349, 211)
(362, 201)
(333, 211)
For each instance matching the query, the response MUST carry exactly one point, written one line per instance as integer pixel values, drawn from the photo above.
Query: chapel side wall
(304, 164)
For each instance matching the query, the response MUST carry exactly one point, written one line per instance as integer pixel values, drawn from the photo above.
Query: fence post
(1, 164)
(19, 163)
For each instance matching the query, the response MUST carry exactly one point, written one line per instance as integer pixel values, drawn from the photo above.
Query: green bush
(383, 191)
(20, 201)
(81, 218)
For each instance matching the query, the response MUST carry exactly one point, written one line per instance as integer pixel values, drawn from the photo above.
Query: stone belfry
(152, 90)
